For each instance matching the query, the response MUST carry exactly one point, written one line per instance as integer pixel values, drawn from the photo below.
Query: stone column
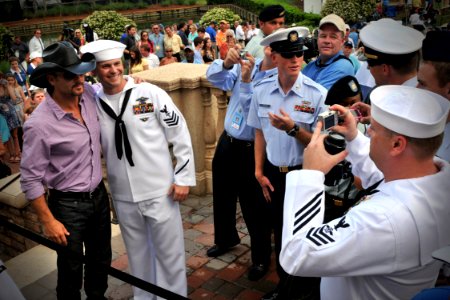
(191, 92)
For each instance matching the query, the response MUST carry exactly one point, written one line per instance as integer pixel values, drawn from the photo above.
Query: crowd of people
(370, 182)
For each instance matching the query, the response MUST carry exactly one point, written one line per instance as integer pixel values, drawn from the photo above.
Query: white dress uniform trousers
(150, 221)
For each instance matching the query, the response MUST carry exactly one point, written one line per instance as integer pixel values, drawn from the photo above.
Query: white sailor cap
(287, 40)
(388, 37)
(409, 111)
(104, 50)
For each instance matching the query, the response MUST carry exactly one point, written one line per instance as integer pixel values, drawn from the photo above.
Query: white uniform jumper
(381, 249)
(150, 221)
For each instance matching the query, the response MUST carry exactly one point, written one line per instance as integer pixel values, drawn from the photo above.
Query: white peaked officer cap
(35, 54)
(286, 39)
(442, 254)
(409, 111)
(104, 50)
(390, 37)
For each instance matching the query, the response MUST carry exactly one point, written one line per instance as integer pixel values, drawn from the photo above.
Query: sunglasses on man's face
(68, 75)
(289, 55)
(374, 62)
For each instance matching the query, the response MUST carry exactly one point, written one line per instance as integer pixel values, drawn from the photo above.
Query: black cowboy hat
(61, 56)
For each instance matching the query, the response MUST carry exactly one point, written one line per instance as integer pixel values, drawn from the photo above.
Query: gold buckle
(338, 202)
(283, 169)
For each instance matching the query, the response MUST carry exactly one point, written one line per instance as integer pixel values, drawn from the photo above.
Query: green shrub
(217, 14)
(108, 24)
(4, 33)
(349, 10)
(293, 13)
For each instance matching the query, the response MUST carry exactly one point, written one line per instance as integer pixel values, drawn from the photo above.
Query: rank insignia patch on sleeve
(171, 119)
(321, 235)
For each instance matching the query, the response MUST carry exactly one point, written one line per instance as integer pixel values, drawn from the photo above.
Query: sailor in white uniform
(145, 186)
(392, 52)
(381, 249)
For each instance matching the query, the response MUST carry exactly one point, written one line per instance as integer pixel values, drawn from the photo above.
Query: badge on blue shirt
(237, 118)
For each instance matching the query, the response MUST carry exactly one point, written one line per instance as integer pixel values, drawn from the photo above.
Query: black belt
(238, 141)
(77, 195)
(284, 169)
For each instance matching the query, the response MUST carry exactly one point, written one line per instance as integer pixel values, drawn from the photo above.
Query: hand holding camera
(364, 110)
(232, 58)
(247, 68)
(341, 120)
(316, 157)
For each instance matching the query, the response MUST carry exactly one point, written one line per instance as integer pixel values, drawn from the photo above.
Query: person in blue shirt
(233, 164)
(212, 32)
(354, 36)
(157, 39)
(331, 64)
(284, 112)
(189, 56)
(198, 44)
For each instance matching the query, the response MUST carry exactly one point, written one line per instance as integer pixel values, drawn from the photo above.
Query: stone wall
(12, 244)
(203, 107)
(16, 209)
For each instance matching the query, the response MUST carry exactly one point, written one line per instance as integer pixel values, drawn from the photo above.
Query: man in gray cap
(392, 52)
(283, 112)
(61, 152)
(381, 248)
(434, 75)
(331, 65)
(270, 19)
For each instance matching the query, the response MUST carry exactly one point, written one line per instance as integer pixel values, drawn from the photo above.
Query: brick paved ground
(224, 277)
(221, 278)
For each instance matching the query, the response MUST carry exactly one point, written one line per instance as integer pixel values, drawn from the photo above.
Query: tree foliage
(108, 24)
(349, 10)
(5, 42)
(217, 14)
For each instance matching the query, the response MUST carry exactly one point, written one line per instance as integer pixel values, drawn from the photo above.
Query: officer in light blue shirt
(233, 163)
(284, 112)
(331, 64)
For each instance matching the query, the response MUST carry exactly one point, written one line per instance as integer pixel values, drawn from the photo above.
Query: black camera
(335, 143)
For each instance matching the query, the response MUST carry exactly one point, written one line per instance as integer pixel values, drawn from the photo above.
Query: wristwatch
(293, 131)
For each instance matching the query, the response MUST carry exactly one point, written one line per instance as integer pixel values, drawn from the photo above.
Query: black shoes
(216, 250)
(256, 272)
(272, 295)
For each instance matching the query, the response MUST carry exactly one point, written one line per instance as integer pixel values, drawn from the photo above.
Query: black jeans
(89, 223)
(290, 287)
(233, 169)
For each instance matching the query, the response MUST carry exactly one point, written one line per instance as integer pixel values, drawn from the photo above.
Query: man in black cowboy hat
(61, 152)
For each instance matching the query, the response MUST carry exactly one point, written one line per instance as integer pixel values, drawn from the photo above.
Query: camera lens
(334, 143)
